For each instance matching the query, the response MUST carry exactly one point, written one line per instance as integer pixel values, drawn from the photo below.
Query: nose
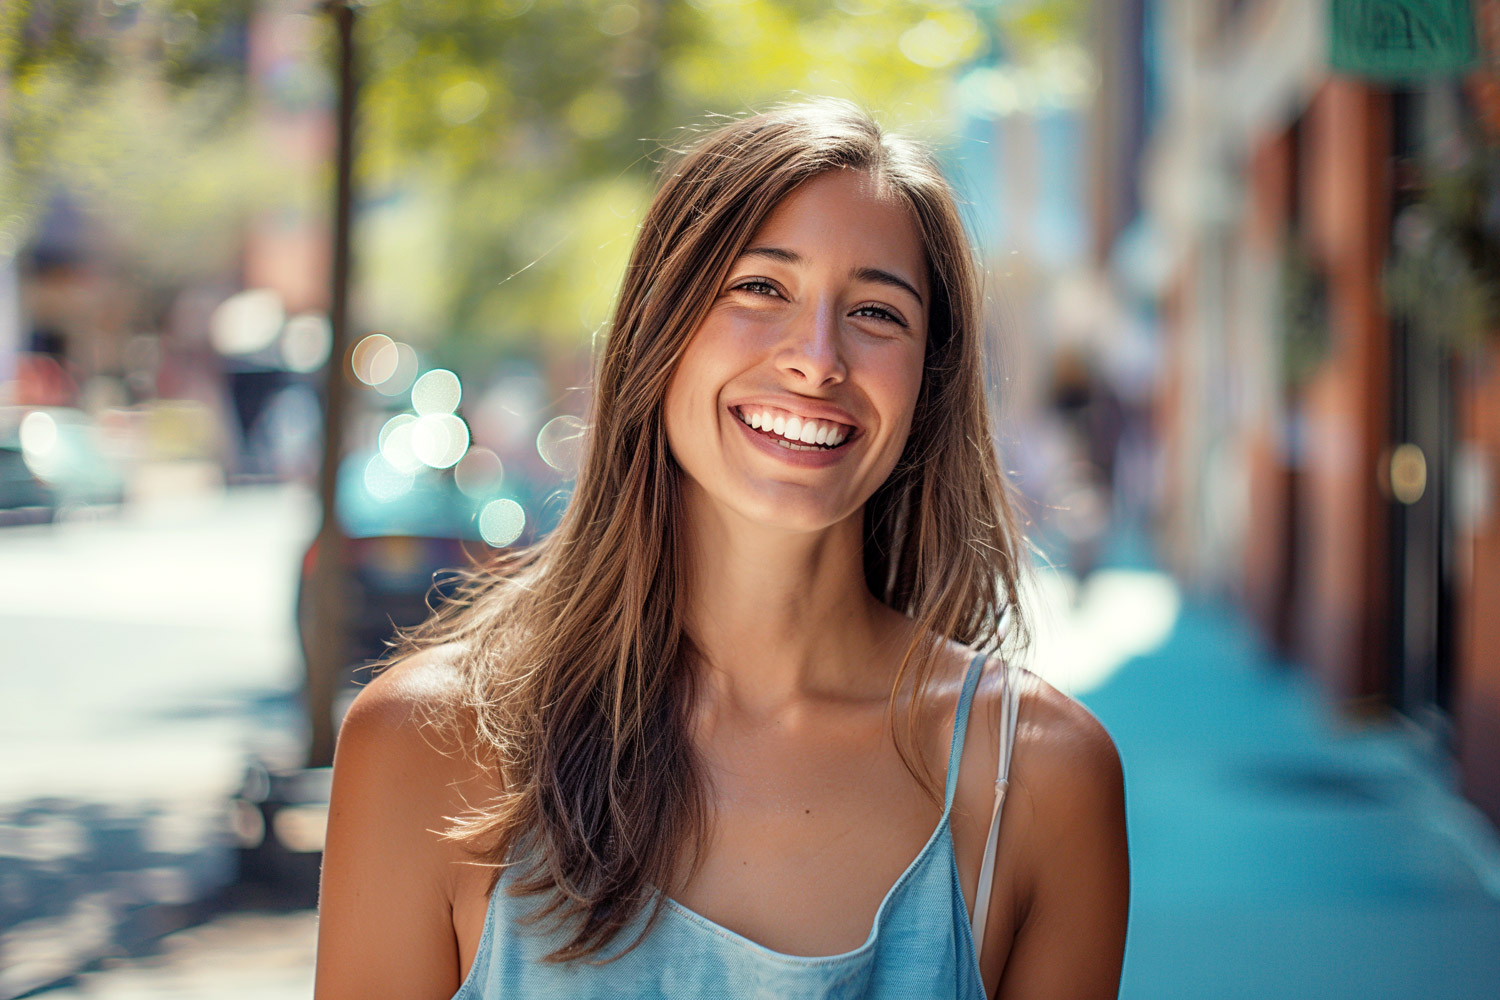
(811, 353)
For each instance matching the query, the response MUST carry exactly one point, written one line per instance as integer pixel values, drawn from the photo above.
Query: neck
(782, 616)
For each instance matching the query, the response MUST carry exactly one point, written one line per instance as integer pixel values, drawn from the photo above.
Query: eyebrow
(871, 274)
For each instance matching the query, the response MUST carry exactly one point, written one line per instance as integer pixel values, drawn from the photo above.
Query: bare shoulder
(409, 716)
(1065, 775)
(408, 736)
(1063, 752)
(1060, 746)
(400, 772)
(1067, 803)
(408, 688)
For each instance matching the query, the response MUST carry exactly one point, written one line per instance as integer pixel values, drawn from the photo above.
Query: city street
(145, 653)
(1214, 282)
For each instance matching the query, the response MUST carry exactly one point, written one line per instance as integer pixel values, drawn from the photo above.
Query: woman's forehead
(847, 216)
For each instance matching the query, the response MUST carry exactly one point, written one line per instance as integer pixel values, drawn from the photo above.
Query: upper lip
(804, 408)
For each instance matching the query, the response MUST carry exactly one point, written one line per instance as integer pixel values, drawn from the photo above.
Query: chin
(791, 508)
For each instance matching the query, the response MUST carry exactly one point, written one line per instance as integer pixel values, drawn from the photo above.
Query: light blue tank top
(921, 945)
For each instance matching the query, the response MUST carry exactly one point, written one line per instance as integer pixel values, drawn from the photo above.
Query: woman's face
(793, 399)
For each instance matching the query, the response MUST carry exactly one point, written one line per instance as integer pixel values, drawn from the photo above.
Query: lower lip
(819, 458)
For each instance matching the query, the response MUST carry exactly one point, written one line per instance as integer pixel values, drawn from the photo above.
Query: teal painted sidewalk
(1277, 852)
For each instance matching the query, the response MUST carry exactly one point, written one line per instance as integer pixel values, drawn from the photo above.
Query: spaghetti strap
(1002, 784)
(960, 728)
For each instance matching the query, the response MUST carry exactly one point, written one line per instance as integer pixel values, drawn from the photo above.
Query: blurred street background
(1244, 277)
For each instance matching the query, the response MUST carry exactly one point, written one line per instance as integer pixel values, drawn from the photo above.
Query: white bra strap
(1002, 783)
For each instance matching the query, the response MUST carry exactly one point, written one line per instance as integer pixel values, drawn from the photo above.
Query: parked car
(52, 457)
(399, 557)
(403, 543)
(24, 497)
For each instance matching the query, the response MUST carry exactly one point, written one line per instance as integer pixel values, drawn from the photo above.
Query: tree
(506, 145)
(541, 123)
(137, 111)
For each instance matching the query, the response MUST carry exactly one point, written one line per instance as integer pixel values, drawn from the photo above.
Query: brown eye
(757, 287)
(880, 312)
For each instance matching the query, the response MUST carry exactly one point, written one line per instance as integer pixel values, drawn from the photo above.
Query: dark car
(24, 498)
(400, 554)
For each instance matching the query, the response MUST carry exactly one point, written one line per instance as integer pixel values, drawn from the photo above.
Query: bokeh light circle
(439, 440)
(39, 439)
(401, 375)
(436, 392)
(396, 442)
(246, 322)
(560, 443)
(385, 482)
(501, 522)
(479, 473)
(38, 433)
(463, 102)
(362, 358)
(305, 341)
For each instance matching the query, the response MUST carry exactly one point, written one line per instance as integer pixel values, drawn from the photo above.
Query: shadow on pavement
(1278, 850)
(80, 881)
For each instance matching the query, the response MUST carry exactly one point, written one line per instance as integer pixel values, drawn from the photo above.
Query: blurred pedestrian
(735, 728)
(1090, 417)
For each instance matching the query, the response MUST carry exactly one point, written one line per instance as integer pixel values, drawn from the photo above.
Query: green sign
(1401, 39)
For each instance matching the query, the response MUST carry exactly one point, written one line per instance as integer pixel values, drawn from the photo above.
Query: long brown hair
(576, 669)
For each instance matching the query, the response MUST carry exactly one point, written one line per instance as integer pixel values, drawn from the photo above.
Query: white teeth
(796, 431)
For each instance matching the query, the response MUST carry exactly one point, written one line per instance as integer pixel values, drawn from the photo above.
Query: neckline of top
(960, 731)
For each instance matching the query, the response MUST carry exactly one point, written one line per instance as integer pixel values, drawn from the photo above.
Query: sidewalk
(1277, 851)
(147, 654)
(250, 955)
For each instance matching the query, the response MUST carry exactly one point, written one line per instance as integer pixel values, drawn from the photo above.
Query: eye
(880, 312)
(756, 286)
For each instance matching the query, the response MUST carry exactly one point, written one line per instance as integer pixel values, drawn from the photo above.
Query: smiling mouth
(794, 432)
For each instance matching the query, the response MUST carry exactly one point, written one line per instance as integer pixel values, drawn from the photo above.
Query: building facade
(1321, 188)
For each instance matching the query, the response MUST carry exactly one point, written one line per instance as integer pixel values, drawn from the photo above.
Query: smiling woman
(738, 727)
(820, 325)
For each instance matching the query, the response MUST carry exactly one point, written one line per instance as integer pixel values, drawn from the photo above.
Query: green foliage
(506, 147)
(136, 109)
(544, 121)
(1443, 275)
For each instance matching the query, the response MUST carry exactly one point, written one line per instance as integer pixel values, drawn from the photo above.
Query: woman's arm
(384, 908)
(1071, 944)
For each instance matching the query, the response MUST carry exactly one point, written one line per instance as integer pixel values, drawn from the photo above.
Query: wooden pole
(329, 645)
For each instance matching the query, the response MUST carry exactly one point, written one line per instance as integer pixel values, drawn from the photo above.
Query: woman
(725, 732)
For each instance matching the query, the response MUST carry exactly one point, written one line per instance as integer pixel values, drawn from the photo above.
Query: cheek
(690, 394)
(911, 388)
(717, 352)
(676, 410)
(898, 380)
